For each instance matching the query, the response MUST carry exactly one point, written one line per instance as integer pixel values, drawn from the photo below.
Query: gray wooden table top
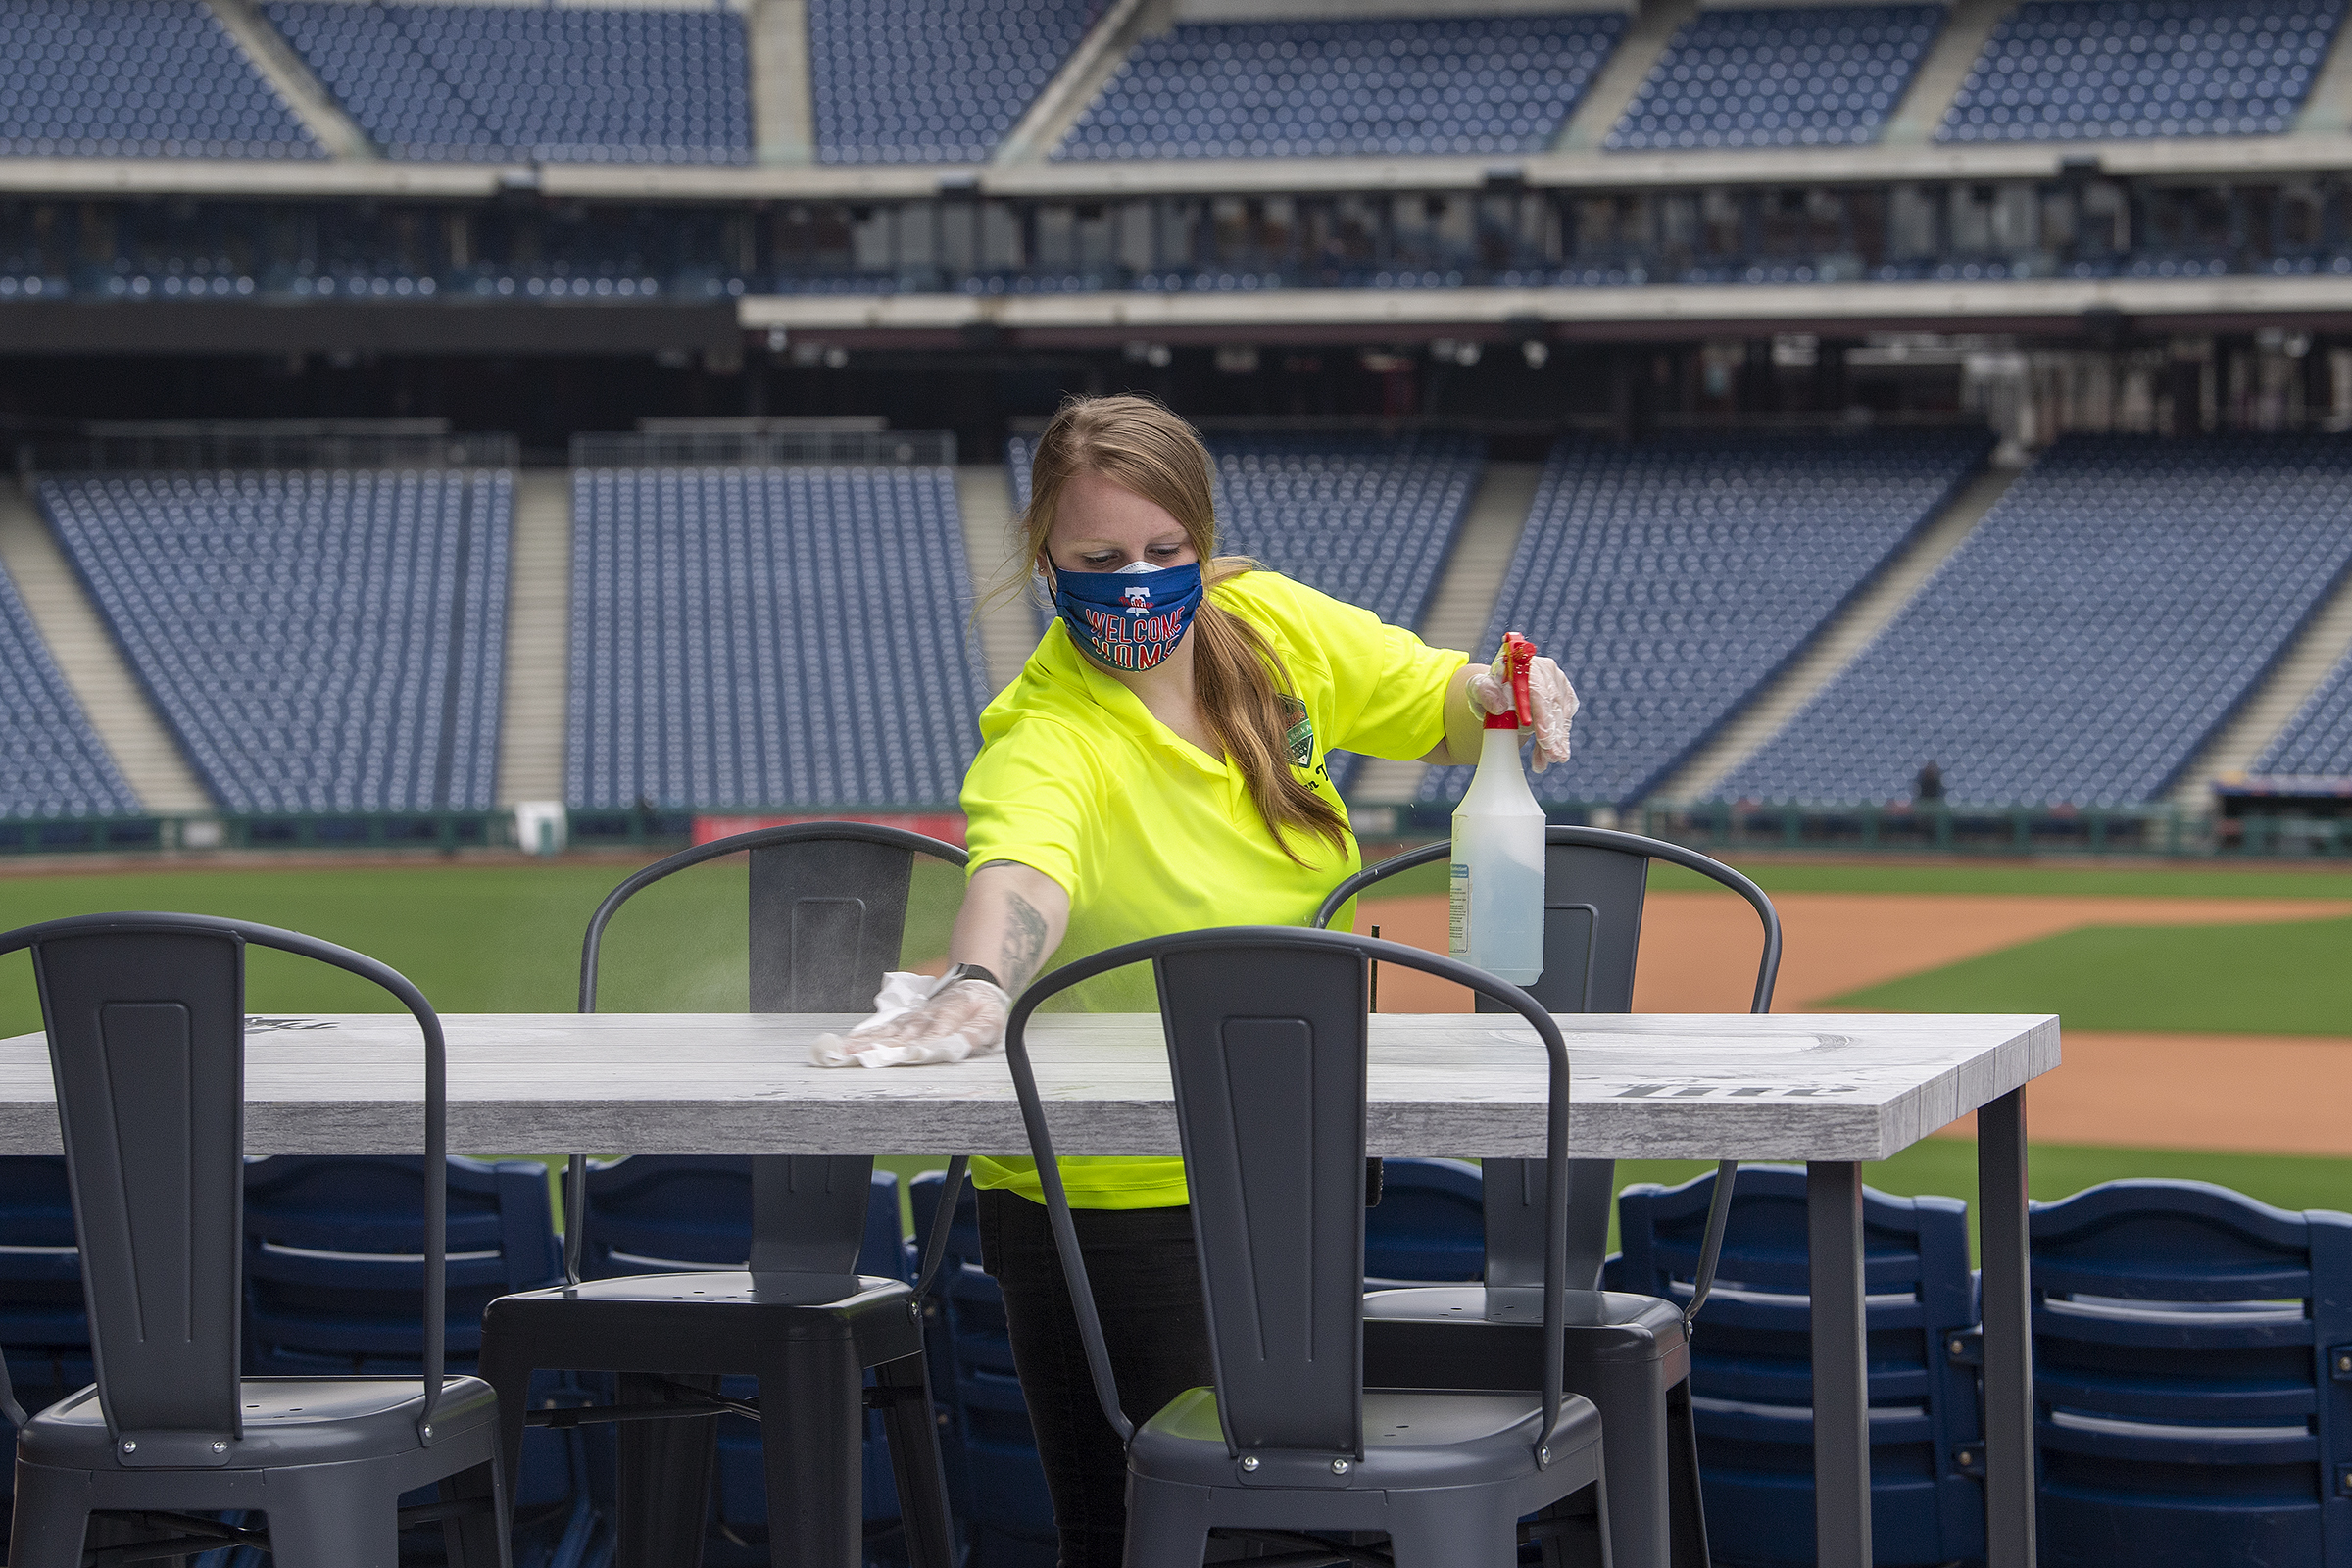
(1790, 1086)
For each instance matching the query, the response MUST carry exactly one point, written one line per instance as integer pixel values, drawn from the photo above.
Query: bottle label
(1457, 933)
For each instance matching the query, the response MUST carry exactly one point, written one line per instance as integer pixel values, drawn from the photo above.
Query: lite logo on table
(1696, 1091)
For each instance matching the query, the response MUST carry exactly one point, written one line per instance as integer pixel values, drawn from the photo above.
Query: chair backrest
(335, 1253)
(1752, 1372)
(1267, 1035)
(1595, 881)
(145, 1016)
(828, 914)
(2187, 1331)
(1595, 884)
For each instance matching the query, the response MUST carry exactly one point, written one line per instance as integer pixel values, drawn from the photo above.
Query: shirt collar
(1125, 707)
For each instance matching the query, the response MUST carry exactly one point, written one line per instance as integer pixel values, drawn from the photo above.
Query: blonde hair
(1141, 447)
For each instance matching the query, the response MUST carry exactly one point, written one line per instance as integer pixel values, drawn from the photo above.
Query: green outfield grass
(2150, 880)
(477, 939)
(2289, 978)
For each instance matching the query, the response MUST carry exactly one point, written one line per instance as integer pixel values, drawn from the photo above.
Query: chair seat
(701, 1322)
(1412, 1438)
(1468, 1336)
(288, 1421)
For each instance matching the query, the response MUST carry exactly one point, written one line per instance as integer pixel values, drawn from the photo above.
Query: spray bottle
(1497, 918)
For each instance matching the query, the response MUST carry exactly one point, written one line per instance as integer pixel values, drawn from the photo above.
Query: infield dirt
(2252, 1093)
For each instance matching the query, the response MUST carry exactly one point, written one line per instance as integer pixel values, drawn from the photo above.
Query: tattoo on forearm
(1024, 946)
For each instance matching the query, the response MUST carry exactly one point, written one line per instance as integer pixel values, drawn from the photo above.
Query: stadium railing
(663, 449)
(193, 450)
(2002, 831)
(337, 830)
(2009, 830)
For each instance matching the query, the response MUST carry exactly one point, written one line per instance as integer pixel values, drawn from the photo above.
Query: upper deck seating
(937, 82)
(2091, 69)
(1802, 76)
(1257, 89)
(491, 83)
(135, 79)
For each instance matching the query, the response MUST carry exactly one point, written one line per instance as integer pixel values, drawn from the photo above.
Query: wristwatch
(966, 971)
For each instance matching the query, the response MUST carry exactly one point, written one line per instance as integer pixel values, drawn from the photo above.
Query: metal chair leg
(811, 1432)
(913, 1425)
(663, 1494)
(52, 1516)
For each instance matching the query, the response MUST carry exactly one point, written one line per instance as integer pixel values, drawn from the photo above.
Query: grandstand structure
(1811, 376)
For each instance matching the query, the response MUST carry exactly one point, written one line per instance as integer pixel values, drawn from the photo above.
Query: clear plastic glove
(917, 1021)
(1553, 700)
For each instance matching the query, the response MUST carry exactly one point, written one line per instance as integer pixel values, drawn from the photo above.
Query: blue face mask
(1129, 618)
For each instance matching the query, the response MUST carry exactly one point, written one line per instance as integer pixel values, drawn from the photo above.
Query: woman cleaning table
(1159, 765)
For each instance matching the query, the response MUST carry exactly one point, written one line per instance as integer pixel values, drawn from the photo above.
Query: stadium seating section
(135, 79)
(1472, 84)
(557, 84)
(2090, 70)
(1674, 577)
(749, 637)
(2318, 742)
(2105, 618)
(51, 761)
(937, 82)
(320, 640)
(1816, 75)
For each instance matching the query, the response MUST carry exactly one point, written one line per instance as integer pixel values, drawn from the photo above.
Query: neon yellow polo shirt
(1149, 834)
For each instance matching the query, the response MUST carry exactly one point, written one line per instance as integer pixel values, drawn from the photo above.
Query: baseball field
(2208, 1012)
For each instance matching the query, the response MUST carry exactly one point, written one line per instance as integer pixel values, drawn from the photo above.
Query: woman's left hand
(1552, 699)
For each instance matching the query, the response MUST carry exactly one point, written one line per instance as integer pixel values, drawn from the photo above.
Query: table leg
(2009, 1486)
(1841, 1369)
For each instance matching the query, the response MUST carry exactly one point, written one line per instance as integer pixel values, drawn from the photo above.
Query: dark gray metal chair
(1629, 1354)
(828, 912)
(146, 1022)
(1266, 1035)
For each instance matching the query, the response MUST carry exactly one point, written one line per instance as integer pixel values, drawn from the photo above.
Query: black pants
(1145, 1280)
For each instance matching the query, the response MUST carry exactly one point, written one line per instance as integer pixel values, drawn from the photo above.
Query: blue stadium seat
(1673, 577)
(333, 1271)
(2193, 1377)
(937, 82)
(1429, 1227)
(993, 1476)
(52, 764)
(43, 1329)
(1369, 519)
(322, 640)
(2317, 742)
(1751, 1374)
(1310, 89)
(135, 78)
(730, 648)
(1798, 77)
(2095, 70)
(483, 83)
(672, 1213)
(2109, 614)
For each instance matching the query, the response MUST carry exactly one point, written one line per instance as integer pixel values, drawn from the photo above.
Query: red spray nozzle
(1517, 653)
